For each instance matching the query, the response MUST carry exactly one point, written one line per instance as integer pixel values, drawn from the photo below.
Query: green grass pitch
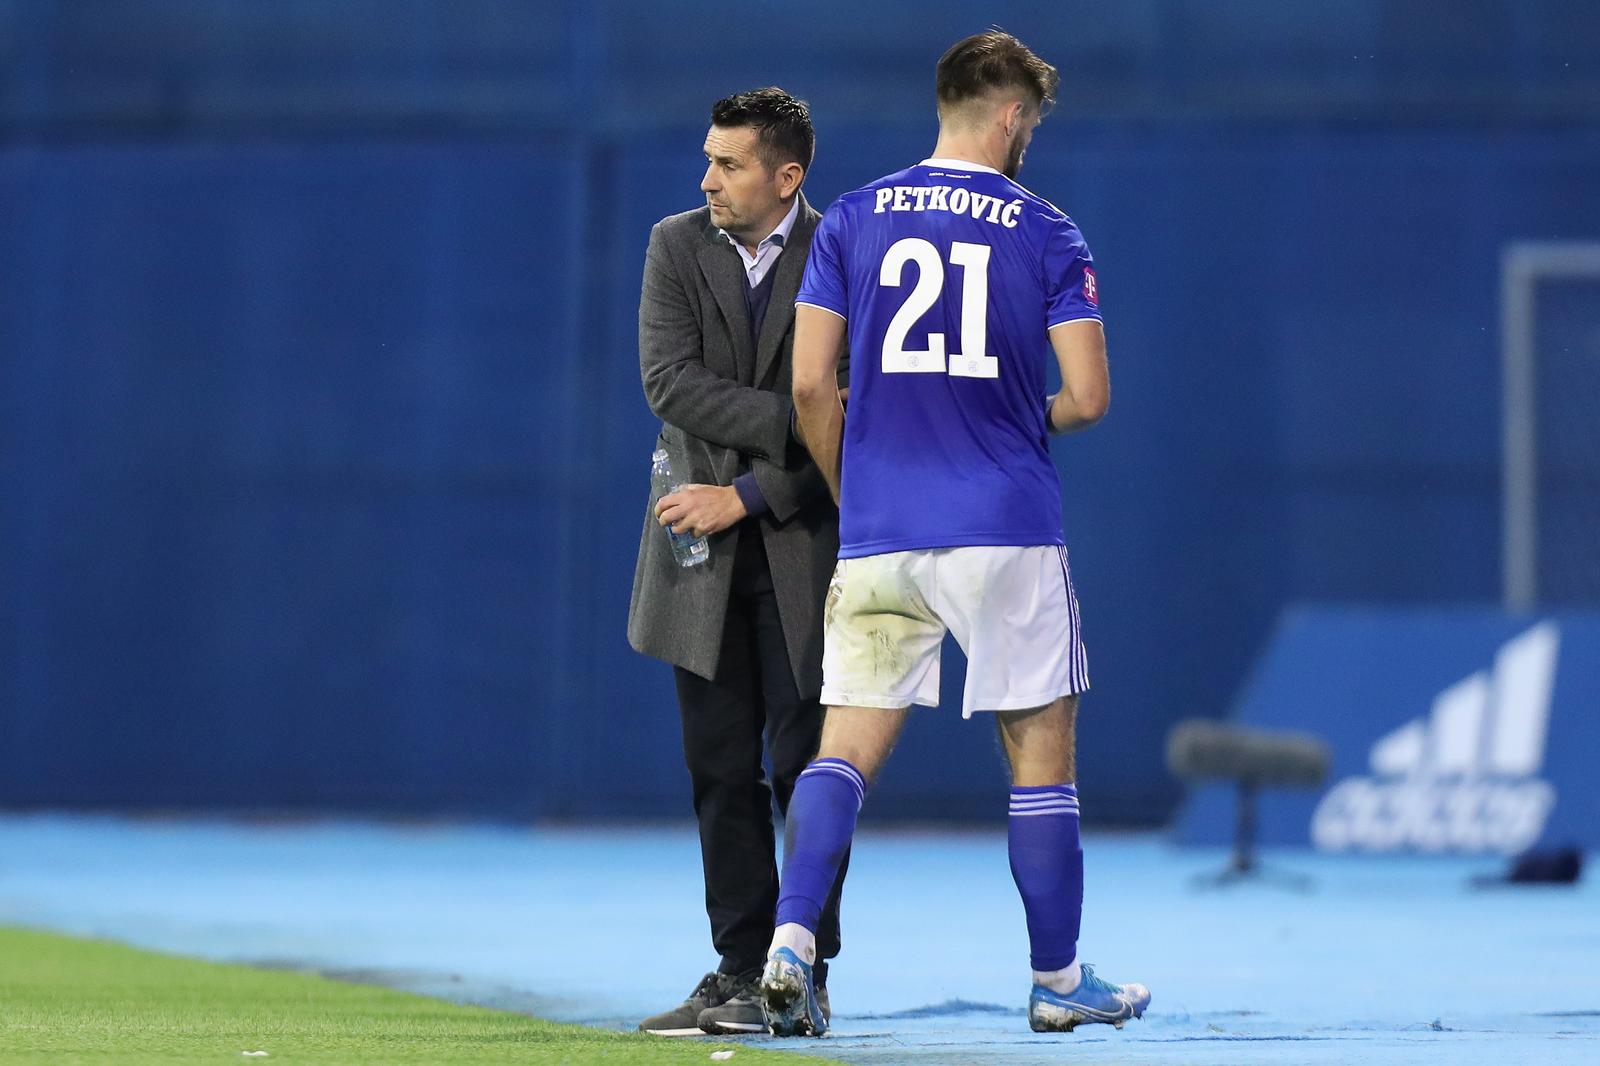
(66, 1001)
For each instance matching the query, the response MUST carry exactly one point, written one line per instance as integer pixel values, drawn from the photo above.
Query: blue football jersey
(950, 276)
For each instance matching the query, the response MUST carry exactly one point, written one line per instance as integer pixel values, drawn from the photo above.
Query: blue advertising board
(1451, 730)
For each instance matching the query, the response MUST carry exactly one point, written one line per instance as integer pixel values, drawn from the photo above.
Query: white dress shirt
(758, 263)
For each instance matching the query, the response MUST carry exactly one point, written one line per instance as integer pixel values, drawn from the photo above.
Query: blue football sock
(1047, 864)
(822, 819)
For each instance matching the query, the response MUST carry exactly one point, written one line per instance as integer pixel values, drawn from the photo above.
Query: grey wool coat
(718, 399)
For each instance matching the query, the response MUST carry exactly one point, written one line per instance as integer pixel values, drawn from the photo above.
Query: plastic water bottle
(688, 549)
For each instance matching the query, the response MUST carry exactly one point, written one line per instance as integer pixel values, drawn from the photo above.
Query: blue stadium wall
(323, 455)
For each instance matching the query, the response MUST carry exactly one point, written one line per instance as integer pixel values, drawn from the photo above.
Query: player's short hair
(989, 61)
(782, 124)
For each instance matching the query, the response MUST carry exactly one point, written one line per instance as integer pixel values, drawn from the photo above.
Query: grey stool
(1252, 759)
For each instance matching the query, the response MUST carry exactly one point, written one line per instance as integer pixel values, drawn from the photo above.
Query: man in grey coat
(743, 631)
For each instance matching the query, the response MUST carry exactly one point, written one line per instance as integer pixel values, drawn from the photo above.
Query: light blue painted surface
(602, 926)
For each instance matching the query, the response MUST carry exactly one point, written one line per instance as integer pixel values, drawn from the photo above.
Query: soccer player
(949, 277)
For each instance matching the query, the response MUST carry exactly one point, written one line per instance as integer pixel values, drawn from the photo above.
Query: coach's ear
(789, 176)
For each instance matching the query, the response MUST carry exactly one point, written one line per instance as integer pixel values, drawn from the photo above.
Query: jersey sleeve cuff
(1080, 318)
(821, 307)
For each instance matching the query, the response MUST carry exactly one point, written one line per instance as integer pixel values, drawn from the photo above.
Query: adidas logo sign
(1466, 777)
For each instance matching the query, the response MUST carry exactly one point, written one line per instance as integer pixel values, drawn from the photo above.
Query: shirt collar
(958, 164)
(780, 234)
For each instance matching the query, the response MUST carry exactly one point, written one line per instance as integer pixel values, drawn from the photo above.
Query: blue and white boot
(789, 997)
(1094, 1000)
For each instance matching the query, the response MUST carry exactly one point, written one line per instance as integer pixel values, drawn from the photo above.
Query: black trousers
(723, 725)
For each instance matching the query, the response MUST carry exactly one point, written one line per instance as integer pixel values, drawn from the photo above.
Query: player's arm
(819, 341)
(1085, 378)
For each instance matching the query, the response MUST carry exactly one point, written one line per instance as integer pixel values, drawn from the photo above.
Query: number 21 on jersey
(971, 361)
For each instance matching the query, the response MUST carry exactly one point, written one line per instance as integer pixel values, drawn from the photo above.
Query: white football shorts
(1012, 610)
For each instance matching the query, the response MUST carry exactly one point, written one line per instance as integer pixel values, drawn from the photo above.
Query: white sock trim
(1063, 980)
(798, 939)
(840, 769)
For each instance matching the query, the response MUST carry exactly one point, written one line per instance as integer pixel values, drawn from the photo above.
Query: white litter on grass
(721, 1056)
(254, 1054)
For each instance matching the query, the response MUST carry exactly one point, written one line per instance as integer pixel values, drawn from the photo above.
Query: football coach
(743, 631)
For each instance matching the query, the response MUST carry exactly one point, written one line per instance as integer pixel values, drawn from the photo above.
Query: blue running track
(1384, 961)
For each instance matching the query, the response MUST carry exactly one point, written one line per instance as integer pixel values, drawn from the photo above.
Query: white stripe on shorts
(1078, 671)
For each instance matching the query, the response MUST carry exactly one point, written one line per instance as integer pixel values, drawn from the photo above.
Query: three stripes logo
(1466, 777)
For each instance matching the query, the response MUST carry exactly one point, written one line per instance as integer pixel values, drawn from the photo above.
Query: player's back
(950, 276)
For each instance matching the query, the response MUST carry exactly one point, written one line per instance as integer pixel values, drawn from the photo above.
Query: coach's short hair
(993, 60)
(782, 124)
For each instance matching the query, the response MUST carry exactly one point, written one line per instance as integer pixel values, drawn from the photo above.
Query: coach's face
(745, 198)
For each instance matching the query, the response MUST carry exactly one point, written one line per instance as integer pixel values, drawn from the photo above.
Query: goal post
(1523, 266)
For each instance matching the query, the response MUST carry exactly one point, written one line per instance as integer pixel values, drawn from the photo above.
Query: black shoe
(713, 990)
(741, 1011)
